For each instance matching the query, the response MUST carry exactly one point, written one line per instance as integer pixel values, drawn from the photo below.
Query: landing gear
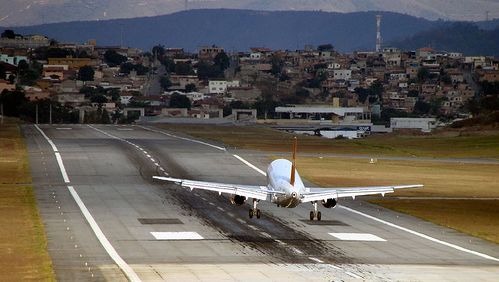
(254, 211)
(315, 213)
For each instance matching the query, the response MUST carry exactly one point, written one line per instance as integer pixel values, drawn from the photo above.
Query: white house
(13, 60)
(342, 74)
(217, 86)
(424, 124)
(220, 86)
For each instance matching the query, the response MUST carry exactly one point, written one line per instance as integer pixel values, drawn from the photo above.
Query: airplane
(285, 188)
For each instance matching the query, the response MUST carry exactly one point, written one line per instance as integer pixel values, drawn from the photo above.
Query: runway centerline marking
(184, 138)
(127, 270)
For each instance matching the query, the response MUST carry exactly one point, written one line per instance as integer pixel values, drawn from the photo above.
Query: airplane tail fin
(293, 166)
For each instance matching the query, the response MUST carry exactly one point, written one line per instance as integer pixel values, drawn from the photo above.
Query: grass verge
(23, 245)
(443, 145)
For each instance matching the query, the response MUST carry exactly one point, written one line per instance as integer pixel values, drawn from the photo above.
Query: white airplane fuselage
(279, 179)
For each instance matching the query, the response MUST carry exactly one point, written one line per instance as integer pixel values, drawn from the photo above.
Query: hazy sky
(29, 12)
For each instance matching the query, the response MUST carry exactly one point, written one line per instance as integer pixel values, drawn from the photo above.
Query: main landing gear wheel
(315, 213)
(254, 211)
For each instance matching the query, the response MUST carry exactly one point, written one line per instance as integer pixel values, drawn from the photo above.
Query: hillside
(240, 29)
(29, 12)
(463, 37)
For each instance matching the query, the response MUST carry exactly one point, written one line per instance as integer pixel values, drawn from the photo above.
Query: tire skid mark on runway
(282, 244)
(125, 268)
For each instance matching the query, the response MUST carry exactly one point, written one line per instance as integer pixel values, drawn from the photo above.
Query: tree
(114, 59)
(191, 87)
(362, 94)
(8, 33)
(209, 71)
(182, 68)
(423, 74)
(377, 89)
(12, 102)
(158, 50)
(222, 61)
(302, 93)
(179, 101)
(86, 73)
(413, 93)
(100, 99)
(59, 53)
(165, 82)
(422, 108)
(277, 65)
(325, 47)
(2, 72)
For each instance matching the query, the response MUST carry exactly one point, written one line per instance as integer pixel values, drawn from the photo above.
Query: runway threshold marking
(177, 236)
(357, 237)
(127, 270)
(453, 246)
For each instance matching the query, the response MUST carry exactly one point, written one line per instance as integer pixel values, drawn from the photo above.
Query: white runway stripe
(176, 236)
(357, 237)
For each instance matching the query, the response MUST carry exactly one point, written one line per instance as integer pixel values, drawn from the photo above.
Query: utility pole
(50, 113)
(36, 112)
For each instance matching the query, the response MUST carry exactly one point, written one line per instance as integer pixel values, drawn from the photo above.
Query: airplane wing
(319, 194)
(249, 191)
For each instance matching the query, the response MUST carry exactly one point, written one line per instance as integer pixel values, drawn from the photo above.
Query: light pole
(36, 112)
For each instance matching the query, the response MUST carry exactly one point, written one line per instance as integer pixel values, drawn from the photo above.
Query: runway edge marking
(459, 248)
(127, 270)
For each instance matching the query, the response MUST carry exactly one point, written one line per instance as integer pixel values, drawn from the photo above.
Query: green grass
(443, 145)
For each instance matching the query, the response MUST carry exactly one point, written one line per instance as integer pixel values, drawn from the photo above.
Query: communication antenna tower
(378, 33)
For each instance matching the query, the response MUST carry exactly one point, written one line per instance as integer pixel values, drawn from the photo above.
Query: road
(100, 208)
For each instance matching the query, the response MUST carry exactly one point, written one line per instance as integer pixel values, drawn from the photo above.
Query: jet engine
(237, 200)
(329, 203)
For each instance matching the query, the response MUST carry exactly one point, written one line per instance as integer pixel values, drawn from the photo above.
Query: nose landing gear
(254, 211)
(315, 214)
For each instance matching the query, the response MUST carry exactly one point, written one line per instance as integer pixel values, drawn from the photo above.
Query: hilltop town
(42, 80)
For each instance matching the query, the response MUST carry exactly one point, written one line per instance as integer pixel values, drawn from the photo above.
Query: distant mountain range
(242, 29)
(30, 12)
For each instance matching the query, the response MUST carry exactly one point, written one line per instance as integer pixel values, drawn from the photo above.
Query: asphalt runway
(101, 218)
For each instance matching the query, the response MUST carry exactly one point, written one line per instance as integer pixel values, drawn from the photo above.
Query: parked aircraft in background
(285, 188)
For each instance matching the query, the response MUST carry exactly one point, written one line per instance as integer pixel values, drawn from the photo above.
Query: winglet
(293, 166)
